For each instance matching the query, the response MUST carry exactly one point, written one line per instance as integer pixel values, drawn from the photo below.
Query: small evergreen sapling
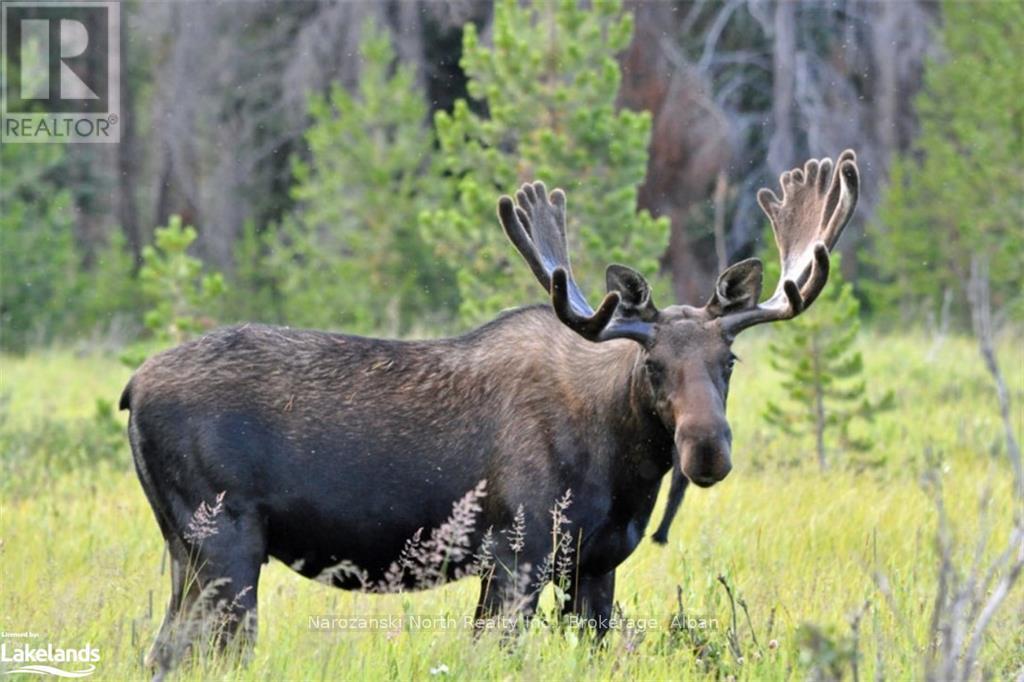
(182, 296)
(824, 381)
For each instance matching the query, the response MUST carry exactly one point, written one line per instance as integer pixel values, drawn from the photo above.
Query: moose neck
(612, 378)
(598, 390)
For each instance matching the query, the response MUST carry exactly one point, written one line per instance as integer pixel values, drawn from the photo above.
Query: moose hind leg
(172, 642)
(213, 592)
(229, 564)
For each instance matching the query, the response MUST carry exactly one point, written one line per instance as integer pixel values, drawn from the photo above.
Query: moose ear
(738, 288)
(634, 292)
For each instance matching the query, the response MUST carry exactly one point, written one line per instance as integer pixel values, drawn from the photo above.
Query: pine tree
(183, 298)
(351, 255)
(957, 194)
(548, 84)
(824, 381)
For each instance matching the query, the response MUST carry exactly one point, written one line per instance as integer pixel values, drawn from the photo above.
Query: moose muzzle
(705, 460)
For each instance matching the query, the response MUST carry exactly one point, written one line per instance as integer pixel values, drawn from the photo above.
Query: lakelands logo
(61, 71)
(49, 660)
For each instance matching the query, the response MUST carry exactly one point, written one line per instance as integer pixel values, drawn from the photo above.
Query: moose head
(686, 354)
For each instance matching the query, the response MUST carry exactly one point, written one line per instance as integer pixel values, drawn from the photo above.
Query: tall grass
(818, 565)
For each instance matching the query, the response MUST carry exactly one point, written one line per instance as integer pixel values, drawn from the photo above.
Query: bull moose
(315, 447)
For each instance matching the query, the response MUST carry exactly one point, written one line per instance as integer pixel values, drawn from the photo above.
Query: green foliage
(957, 194)
(109, 289)
(352, 255)
(45, 292)
(182, 298)
(38, 262)
(823, 371)
(368, 248)
(548, 84)
(255, 292)
(50, 448)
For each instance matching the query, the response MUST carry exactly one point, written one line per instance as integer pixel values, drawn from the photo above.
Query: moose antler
(535, 224)
(816, 205)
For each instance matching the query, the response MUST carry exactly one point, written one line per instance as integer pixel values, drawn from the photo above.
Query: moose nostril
(705, 462)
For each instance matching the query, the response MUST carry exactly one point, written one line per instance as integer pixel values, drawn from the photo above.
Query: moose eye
(731, 363)
(656, 373)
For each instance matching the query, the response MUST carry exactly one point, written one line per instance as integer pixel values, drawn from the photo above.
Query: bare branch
(981, 319)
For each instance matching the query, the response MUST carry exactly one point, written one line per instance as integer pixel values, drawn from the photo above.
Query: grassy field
(806, 552)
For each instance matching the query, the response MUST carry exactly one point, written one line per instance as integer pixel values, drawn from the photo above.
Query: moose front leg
(591, 600)
(675, 498)
(508, 598)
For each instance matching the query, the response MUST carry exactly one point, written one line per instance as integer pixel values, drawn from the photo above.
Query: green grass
(80, 559)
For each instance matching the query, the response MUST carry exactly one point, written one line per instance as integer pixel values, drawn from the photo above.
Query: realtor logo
(61, 71)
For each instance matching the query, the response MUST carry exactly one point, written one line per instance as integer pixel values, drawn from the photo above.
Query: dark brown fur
(331, 447)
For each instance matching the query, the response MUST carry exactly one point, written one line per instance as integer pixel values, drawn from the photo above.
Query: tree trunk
(981, 319)
(886, 58)
(689, 144)
(819, 405)
(781, 148)
(127, 163)
(721, 247)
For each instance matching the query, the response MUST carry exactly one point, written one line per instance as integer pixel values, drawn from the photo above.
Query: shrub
(38, 261)
(182, 298)
(49, 448)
